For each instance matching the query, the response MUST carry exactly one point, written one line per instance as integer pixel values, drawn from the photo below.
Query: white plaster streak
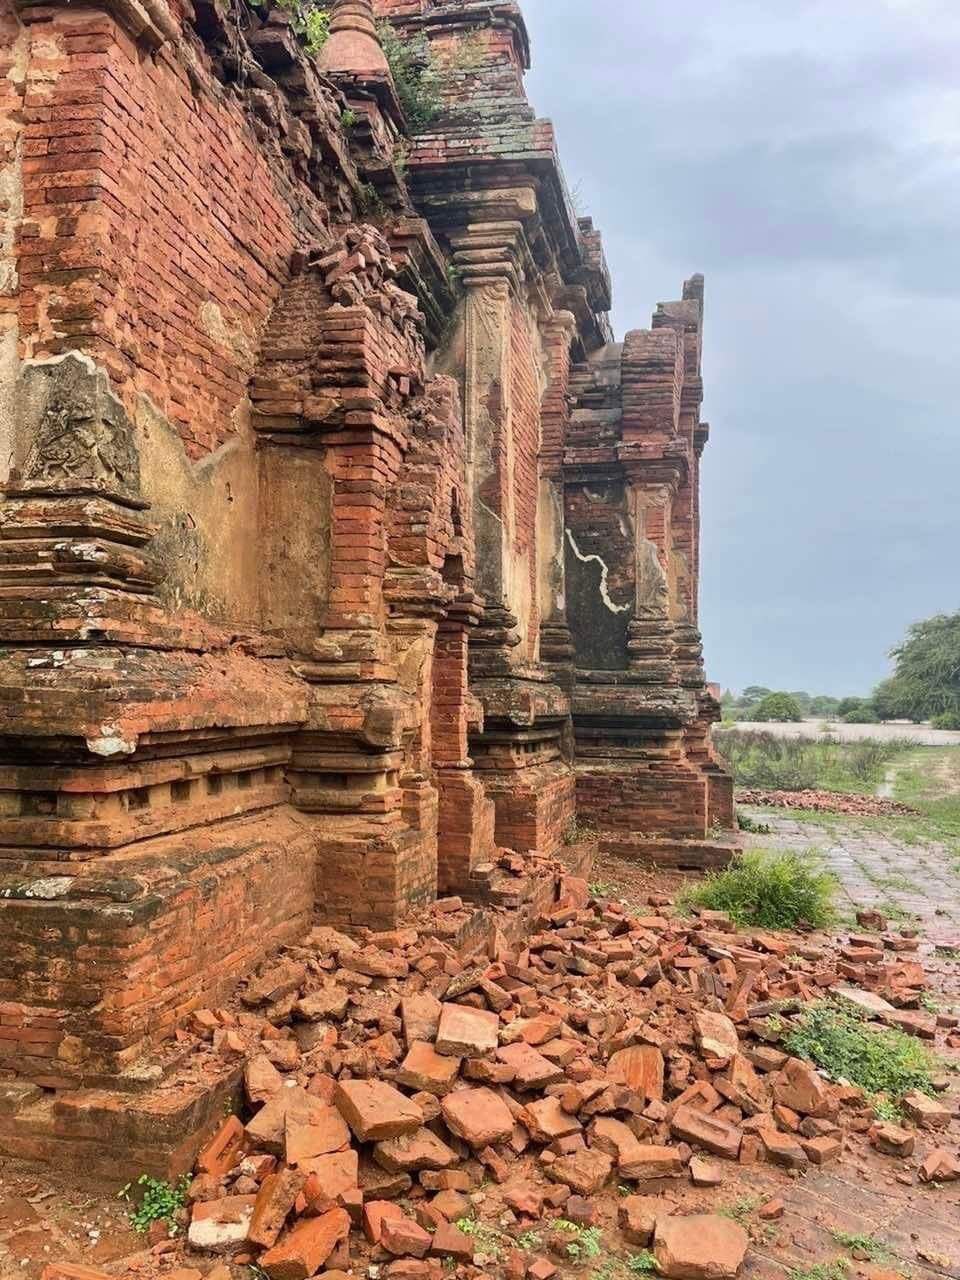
(604, 575)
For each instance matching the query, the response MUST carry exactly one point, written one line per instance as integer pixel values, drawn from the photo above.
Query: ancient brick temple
(340, 545)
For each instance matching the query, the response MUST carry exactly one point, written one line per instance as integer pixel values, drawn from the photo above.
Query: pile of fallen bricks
(826, 802)
(387, 1085)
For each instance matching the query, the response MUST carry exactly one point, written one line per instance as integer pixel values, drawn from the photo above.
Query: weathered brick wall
(84, 994)
(157, 229)
(338, 674)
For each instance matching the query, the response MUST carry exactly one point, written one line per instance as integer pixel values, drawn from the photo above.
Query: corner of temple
(346, 559)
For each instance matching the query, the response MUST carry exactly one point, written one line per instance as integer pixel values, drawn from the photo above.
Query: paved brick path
(877, 870)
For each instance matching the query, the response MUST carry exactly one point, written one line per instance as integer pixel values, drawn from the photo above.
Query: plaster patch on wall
(604, 575)
(11, 215)
(214, 324)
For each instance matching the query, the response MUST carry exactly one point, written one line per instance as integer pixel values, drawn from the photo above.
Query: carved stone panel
(74, 434)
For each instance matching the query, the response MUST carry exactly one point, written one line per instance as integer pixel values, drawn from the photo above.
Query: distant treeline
(924, 687)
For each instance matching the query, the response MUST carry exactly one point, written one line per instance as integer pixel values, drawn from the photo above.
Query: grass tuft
(822, 1271)
(769, 890)
(880, 1061)
(870, 1248)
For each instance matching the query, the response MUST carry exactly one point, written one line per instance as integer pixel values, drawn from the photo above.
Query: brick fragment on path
(405, 1238)
(783, 1149)
(705, 1173)
(800, 1087)
(891, 1140)
(585, 1172)
(638, 1218)
(717, 1036)
(707, 1131)
(531, 1070)
(221, 1226)
(375, 1215)
(275, 1200)
(700, 1247)
(926, 1112)
(450, 1242)
(414, 1152)
(639, 1068)
(940, 1166)
(225, 1149)
(427, 1071)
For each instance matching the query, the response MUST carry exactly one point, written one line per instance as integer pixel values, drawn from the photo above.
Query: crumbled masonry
(408, 1111)
(825, 802)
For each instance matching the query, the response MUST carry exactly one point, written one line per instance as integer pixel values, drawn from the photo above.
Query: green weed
(880, 1061)
(587, 1242)
(416, 73)
(822, 1271)
(869, 1247)
(769, 890)
(741, 1210)
(489, 1239)
(643, 1264)
(887, 1111)
(159, 1202)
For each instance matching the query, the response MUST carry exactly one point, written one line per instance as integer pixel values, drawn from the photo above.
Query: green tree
(846, 705)
(926, 679)
(886, 701)
(753, 694)
(824, 706)
(781, 707)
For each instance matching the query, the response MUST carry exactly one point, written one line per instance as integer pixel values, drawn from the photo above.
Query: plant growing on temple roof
(310, 21)
(416, 75)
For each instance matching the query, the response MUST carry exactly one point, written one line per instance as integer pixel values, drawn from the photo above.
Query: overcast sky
(805, 156)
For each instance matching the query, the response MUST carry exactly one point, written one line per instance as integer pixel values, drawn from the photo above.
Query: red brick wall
(157, 230)
(85, 991)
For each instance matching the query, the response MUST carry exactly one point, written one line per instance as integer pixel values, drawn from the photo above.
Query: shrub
(780, 707)
(949, 720)
(763, 760)
(416, 75)
(879, 1061)
(769, 890)
(864, 714)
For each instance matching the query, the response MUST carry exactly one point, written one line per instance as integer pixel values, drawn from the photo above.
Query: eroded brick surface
(345, 560)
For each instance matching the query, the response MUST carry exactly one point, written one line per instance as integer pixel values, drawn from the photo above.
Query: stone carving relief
(653, 589)
(82, 439)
